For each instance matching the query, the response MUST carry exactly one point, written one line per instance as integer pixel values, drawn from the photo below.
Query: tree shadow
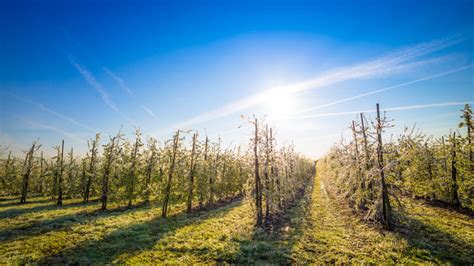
(16, 202)
(274, 243)
(446, 206)
(62, 222)
(130, 239)
(435, 245)
(12, 213)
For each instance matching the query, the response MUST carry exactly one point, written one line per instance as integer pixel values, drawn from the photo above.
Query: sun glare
(280, 103)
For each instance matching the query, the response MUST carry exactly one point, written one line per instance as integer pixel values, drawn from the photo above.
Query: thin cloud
(399, 108)
(150, 112)
(50, 111)
(54, 129)
(385, 89)
(87, 75)
(125, 88)
(98, 87)
(120, 81)
(386, 65)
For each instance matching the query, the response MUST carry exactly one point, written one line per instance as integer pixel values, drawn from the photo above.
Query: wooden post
(149, 170)
(28, 165)
(60, 176)
(430, 169)
(273, 172)
(7, 169)
(132, 177)
(91, 173)
(110, 150)
(201, 192)
(258, 193)
(41, 175)
(386, 208)
(213, 177)
(191, 176)
(454, 184)
(267, 176)
(354, 135)
(164, 210)
(70, 189)
(366, 145)
(83, 175)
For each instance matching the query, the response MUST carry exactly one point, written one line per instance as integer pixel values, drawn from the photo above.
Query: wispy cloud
(125, 88)
(399, 108)
(385, 89)
(392, 63)
(150, 112)
(54, 129)
(50, 111)
(120, 81)
(87, 75)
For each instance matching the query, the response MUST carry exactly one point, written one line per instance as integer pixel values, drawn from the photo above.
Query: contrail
(125, 88)
(87, 75)
(148, 111)
(50, 111)
(120, 81)
(385, 89)
(399, 108)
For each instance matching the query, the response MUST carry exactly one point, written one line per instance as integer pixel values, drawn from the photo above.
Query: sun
(280, 103)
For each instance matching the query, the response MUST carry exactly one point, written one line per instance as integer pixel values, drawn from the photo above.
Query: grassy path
(427, 234)
(317, 229)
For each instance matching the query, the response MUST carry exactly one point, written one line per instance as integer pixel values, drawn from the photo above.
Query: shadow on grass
(12, 213)
(435, 245)
(274, 243)
(130, 239)
(62, 222)
(16, 202)
(446, 206)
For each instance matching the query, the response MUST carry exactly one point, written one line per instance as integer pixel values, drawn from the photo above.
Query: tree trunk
(258, 192)
(7, 170)
(454, 171)
(164, 210)
(148, 174)
(26, 174)
(267, 177)
(41, 175)
(191, 176)
(131, 181)
(213, 178)
(107, 170)
(60, 176)
(386, 208)
(91, 174)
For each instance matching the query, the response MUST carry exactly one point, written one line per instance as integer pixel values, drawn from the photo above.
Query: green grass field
(317, 229)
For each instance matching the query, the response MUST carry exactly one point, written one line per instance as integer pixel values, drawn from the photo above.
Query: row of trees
(184, 169)
(279, 173)
(371, 171)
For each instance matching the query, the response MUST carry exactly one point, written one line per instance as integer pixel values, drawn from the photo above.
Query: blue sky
(71, 68)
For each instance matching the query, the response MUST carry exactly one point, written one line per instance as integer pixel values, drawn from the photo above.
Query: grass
(318, 228)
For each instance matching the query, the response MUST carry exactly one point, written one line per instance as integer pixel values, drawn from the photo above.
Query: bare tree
(170, 175)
